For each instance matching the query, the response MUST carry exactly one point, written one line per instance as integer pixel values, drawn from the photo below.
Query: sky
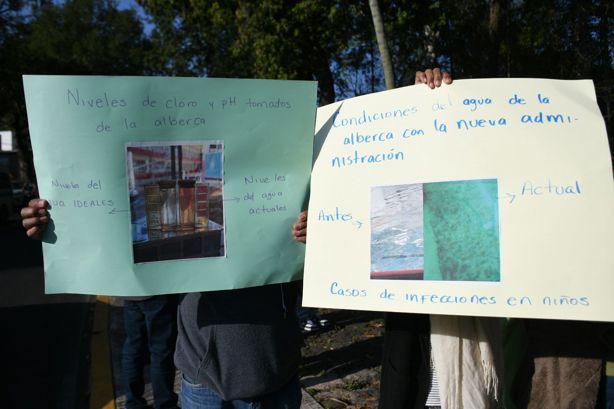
(132, 4)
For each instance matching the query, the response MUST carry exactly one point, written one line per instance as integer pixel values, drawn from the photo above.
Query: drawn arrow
(234, 199)
(358, 223)
(510, 196)
(115, 211)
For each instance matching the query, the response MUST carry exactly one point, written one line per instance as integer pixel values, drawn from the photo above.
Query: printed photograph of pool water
(436, 231)
(176, 199)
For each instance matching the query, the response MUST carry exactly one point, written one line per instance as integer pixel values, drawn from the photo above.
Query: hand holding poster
(163, 185)
(484, 197)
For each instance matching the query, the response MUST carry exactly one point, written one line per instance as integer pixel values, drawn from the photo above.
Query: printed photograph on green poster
(176, 199)
(447, 231)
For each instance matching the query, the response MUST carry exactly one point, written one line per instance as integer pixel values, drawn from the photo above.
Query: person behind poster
(416, 367)
(234, 347)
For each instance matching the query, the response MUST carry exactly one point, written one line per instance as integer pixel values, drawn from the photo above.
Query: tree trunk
(380, 34)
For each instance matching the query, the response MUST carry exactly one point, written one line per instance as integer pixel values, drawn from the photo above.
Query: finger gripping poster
(485, 197)
(165, 185)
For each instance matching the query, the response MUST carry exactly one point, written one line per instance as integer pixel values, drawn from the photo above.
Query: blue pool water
(397, 231)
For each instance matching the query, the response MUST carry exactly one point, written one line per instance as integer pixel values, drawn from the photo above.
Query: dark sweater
(240, 343)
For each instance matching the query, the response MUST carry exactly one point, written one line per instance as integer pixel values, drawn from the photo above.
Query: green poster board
(168, 185)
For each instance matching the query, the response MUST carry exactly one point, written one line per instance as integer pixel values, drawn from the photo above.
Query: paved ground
(341, 366)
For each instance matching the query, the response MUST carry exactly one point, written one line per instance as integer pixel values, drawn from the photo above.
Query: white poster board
(488, 197)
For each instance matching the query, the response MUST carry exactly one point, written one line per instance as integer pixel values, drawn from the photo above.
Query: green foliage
(267, 39)
(563, 39)
(414, 31)
(86, 37)
(331, 41)
(74, 37)
(353, 383)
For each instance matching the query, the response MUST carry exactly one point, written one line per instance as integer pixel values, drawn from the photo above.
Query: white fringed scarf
(468, 361)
